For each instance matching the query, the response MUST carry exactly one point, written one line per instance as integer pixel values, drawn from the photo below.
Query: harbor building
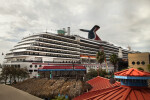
(136, 60)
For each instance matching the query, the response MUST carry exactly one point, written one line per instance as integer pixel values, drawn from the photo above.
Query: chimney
(68, 30)
(64, 30)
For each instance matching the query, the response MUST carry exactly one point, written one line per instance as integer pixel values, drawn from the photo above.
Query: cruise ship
(48, 48)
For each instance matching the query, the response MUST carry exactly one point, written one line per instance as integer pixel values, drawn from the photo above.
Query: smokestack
(68, 30)
(64, 30)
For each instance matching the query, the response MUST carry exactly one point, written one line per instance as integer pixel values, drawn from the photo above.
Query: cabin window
(30, 71)
(30, 66)
(35, 66)
(35, 70)
(18, 66)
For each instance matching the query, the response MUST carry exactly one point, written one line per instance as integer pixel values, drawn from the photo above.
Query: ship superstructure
(47, 48)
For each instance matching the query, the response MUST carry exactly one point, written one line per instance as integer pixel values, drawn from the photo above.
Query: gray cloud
(123, 22)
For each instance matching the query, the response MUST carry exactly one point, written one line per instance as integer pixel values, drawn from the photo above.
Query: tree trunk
(115, 68)
(10, 79)
(100, 71)
(18, 78)
(99, 68)
(5, 80)
(14, 78)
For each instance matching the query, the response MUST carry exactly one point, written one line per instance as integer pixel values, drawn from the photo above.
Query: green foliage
(94, 73)
(148, 67)
(114, 60)
(60, 98)
(13, 72)
(103, 73)
(124, 69)
(140, 68)
(100, 56)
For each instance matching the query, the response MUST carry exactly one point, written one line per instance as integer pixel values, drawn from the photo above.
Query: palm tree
(114, 61)
(100, 57)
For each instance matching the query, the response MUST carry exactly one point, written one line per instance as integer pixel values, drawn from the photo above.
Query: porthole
(30, 66)
(35, 66)
(133, 63)
(138, 62)
(143, 62)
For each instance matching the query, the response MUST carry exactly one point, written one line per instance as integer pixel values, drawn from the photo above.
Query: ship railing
(28, 61)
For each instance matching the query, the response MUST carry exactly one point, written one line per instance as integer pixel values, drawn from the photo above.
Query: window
(35, 70)
(133, 63)
(39, 65)
(143, 63)
(35, 66)
(138, 63)
(18, 66)
(30, 71)
(30, 66)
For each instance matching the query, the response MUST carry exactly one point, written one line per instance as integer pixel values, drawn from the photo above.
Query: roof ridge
(132, 72)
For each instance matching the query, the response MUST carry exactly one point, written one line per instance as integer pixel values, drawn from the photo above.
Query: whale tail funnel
(92, 33)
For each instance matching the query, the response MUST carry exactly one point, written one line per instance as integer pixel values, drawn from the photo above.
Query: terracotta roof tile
(132, 72)
(103, 90)
(99, 83)
(122, 93)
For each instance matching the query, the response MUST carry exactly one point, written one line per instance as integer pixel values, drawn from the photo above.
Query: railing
(28, 61)
(76, 62)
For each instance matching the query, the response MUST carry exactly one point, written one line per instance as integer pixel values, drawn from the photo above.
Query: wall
(141, 57)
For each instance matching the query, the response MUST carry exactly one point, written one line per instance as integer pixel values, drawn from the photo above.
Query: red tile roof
(122, 93)
(99, 83)
(103, 90)
(132, 72)
(89, 94)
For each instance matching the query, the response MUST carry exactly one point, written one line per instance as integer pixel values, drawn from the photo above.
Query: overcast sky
(122, 22)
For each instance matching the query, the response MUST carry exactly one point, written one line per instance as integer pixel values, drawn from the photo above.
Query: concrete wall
(141, 57)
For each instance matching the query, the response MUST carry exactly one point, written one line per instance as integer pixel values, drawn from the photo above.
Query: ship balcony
(57, 46)
(39, 61)
(110, 48)
(54, 51)
(88, 48)
(26, 42)
(54, 37)
(45, 49)
(23, 45)
(56, 42)
(9, 56)
(54, 55)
